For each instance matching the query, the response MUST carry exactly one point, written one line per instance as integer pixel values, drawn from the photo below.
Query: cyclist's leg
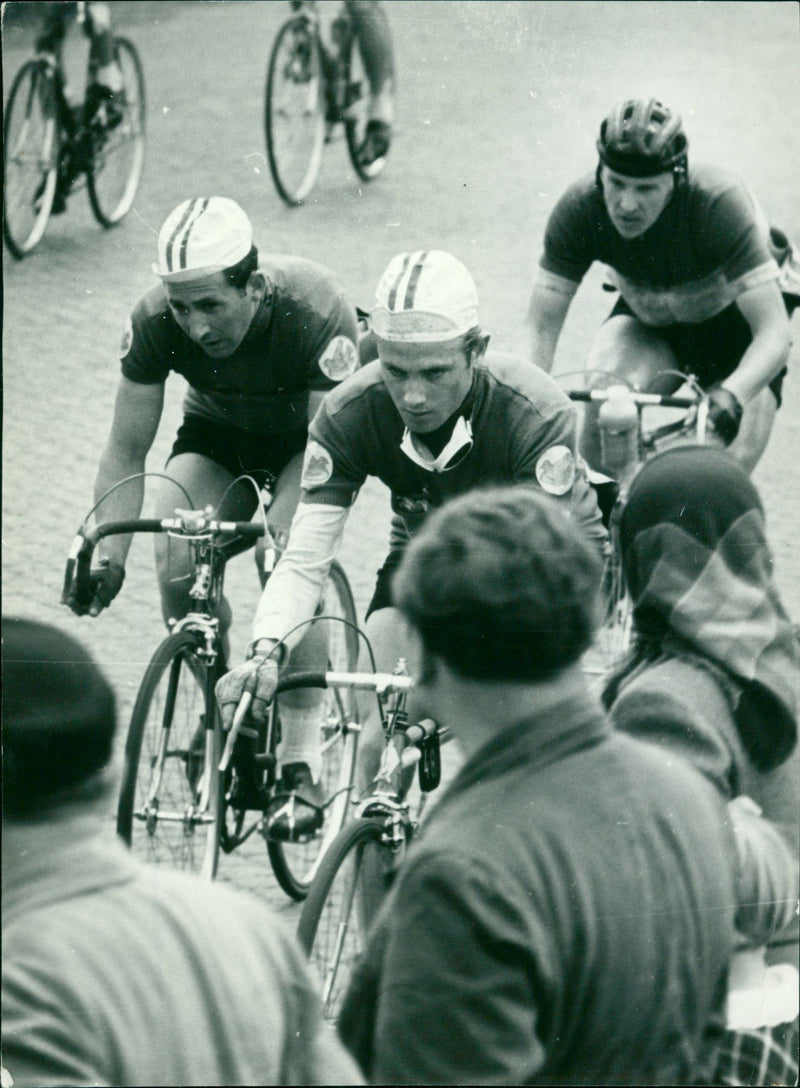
(377, 54)
(107, 72)
(53, 27)
(206, 481)
(627, 349)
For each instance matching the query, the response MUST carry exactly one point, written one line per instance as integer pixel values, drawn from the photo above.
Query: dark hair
(501, 585)
(238, 274)
(58, 715)
(474, 341)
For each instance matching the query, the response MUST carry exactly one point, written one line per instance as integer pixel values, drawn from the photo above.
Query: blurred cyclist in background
(694, 262)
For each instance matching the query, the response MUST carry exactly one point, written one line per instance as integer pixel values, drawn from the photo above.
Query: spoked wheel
(333, 921)
(30, 147)
(295, 864)
(356, 114)
(117, 156)
(170, 802)
(295, 110)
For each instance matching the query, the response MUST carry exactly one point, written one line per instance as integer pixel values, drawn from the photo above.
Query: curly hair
(501, 585)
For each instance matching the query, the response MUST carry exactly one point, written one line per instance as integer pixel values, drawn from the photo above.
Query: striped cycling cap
(425, 297)
(202, 236)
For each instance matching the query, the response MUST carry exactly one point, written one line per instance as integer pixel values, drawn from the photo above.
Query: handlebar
(642, 399)
(189, 524)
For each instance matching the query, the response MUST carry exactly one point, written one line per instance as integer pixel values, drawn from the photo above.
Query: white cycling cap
(200, 237)
(425, 297)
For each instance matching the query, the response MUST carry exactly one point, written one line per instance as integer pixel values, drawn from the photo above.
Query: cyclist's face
(427, 382)
(214, 314)
(634, 204)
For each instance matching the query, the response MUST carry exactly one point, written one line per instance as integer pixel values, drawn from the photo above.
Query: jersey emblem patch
(555, 470)
(317, 466)
(339, 359)
(126, 342)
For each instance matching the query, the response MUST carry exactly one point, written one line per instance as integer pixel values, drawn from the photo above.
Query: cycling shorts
(382, 596)
(711, 350)
(236, 450)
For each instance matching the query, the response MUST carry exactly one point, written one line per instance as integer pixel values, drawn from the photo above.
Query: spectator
(714, 675)
(114, 973)
(566, 916)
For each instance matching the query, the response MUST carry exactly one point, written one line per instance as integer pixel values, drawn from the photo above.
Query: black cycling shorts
(382, 597)
(236, 450)
(711, 350)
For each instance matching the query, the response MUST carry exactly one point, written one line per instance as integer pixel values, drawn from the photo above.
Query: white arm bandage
(295, 586)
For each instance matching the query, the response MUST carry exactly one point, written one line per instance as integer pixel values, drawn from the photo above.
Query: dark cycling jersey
(302, 337)
(707, 247)
(523, 430)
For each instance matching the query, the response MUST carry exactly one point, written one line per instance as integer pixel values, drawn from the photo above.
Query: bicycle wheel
(294, 116)
(117, 157)
(30, 148)
(295, 863)
(331, 930)
(170, 802)
(356, 114)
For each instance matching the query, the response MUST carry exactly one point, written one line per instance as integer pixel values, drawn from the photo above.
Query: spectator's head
(425, 321)
(58, 718)
(501, 586)
(643, 156)
(209, 267)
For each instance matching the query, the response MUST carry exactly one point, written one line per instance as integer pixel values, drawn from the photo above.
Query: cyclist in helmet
(434, 416)
(691, 255)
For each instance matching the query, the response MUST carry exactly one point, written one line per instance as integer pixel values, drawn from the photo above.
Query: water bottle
(619, 431)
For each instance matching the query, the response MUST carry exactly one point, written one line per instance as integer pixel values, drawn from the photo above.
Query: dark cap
(58, 715)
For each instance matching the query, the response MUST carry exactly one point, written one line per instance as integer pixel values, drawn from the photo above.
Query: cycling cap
(425, 297)
(202, 236)
(641, 137)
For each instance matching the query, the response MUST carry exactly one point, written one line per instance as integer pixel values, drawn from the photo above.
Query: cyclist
(259, 345)
(432, 418)
(689, 252)
(107, 81)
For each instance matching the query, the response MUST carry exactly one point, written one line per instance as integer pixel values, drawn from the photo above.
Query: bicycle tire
(356, 114)
(117, 158)
(329, 930)
(295, 864)
(169, 711)
(29, 176)
(294, 110)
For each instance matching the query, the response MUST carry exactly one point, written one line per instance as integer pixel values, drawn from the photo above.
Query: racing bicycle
(315, 83)
(356, 869)
(52, 147)
(188, 792)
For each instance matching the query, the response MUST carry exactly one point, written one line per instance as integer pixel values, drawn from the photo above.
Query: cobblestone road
(498, 107)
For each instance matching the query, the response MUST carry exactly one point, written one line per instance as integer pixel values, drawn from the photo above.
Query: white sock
(300, 738)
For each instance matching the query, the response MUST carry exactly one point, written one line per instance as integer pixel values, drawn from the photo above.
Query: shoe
(376, 143)
(103, 108)
(296, 813)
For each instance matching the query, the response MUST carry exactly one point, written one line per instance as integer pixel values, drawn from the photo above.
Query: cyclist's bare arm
(137, 413)
(546, 315)
(765, 313)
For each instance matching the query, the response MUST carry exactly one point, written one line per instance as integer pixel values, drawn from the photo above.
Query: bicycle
(626, 444)
(50, 146)
(180, 802)
(357, 867)
(313, 87)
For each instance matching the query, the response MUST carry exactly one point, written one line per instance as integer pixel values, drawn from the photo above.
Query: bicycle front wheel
(118, 143)
(334, 919)
(295, 863)
(30, 148)
(170, 802)
(295, 110)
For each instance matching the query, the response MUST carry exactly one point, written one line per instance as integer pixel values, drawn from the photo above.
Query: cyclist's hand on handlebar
(259, 677)
(724, 413)
(105, 582)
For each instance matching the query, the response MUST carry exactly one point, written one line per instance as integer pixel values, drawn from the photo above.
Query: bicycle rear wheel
(295, 863)
(118, 144)
(30, 148)
(170, 803)
(332, 928)
(356, 114)
(294, 116)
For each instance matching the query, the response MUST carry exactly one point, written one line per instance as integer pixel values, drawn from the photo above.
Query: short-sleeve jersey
(301, 338)
(523, 428)
(708, 246)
